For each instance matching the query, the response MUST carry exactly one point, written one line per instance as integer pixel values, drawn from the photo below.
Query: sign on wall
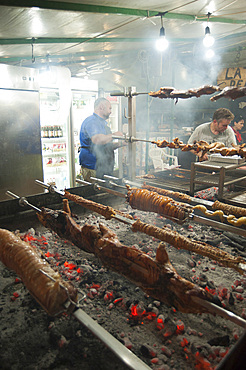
(233, 77)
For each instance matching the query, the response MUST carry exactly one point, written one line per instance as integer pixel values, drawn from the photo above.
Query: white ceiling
(78, 34)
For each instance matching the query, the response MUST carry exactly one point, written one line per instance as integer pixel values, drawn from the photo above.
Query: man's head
(238, 122)
(102, 108)
(221, 119)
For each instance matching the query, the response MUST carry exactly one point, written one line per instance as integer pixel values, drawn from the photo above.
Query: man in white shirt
(216, 131)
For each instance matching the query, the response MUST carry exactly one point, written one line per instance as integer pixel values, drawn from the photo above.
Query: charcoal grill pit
(23, 318)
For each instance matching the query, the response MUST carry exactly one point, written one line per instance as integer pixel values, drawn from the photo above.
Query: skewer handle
(83, 182)
(22, 201)
(51, 188)
(12, 195)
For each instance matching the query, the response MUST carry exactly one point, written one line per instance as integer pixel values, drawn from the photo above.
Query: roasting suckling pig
(150, 201)
(157, 277)
(45, 284)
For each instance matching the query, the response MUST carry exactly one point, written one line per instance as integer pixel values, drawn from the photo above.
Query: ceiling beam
(72, 57)
(88, 8)
(78, 40)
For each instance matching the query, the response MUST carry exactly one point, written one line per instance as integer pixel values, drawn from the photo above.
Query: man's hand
(121, 142)
(118, 133)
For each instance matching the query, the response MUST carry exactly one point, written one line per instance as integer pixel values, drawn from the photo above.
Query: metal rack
(212, 173)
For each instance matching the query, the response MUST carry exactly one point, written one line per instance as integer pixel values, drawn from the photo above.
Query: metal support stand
(131, 95)
(132, 132)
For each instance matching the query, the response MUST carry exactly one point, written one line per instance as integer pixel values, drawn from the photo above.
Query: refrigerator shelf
(52, 154)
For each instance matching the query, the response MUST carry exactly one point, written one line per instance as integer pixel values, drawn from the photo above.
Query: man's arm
(101, 139)
(232, 137)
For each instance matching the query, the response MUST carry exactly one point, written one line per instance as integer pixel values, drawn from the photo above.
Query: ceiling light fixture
(208, 40)
(162, 43)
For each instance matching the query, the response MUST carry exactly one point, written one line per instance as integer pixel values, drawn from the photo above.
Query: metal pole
(132, 132)
(120, 151)
(71, 162)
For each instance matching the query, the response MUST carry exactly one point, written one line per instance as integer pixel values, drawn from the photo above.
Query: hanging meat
(203, 146)
(172, 93)
(231, 93)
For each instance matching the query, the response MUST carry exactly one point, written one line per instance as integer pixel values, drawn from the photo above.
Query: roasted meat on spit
(170, 92)
(230, 93)
(181, 242)
(45, 284)
(105, 211)
(157, 277)
(171, 237)
(150, 201)
(229, 210)
(203, 146)
(174, 194)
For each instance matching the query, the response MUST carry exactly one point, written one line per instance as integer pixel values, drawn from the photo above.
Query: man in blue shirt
(96, 155)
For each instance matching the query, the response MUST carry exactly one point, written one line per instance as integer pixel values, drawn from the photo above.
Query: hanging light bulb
(162, 43)
(208, 40)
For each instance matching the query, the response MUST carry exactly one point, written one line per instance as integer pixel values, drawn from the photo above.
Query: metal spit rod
(128, 357)
(128, 94)
(22, 201)
(99, 187)
(50, 188)
(213, 308)
(130, 139)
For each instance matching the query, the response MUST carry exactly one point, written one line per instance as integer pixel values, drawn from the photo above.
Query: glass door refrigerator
(84, 94)
(55, 102)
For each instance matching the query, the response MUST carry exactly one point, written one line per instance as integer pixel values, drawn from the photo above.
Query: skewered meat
(45, 284)
(229, 210)
(64, 225)
(174, 194)
(106, 211)
(236, 221)
(157, 278)
(231, 218)
(163, 93)
(179, 241)
(47, 218)
(202, 208)
(203, 146)
(204, 90)
(146, 200)
(230, 93)
(170, 92)
(180, 94)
